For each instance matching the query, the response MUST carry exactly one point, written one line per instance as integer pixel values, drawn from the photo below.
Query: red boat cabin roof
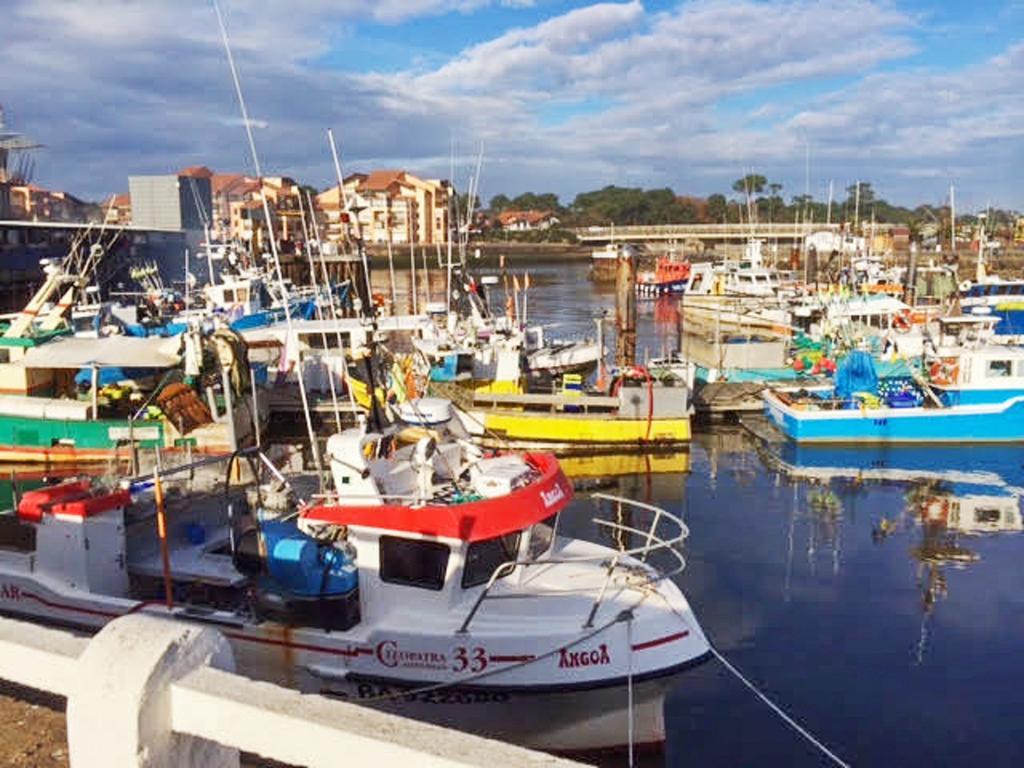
(469, 521)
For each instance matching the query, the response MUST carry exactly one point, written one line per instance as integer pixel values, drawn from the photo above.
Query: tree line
(753, 197)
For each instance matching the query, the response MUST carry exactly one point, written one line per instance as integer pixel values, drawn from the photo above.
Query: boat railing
(620, 531)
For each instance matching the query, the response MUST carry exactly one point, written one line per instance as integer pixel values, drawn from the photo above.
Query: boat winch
(301, 580)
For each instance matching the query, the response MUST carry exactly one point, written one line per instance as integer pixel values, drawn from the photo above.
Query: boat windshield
(483, 557)
(541, 536)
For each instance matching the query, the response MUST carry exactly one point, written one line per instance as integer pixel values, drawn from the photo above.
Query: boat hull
(661, 289)
(63, 441)
(561, 721)
(550, 709)
(998, 423)
(583, 429)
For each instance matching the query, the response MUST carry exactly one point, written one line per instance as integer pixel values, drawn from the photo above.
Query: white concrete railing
(154, 692)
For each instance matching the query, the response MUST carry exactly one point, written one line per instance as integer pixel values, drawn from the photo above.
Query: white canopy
(107, 352)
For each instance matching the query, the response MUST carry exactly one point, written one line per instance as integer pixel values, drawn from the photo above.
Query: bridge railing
(150, 691)
(700, 231)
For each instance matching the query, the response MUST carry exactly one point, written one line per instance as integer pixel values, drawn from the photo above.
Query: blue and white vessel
(973, 393)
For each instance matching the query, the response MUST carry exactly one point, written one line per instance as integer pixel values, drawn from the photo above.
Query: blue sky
(563, 96)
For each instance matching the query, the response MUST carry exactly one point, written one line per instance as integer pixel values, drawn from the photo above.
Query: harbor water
(875, 595)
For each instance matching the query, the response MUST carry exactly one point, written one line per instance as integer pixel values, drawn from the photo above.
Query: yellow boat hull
(585, 429)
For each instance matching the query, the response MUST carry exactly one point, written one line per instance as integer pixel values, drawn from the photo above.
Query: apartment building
(390, 206)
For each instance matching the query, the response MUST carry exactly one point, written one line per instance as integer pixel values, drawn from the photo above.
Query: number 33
(473, 659)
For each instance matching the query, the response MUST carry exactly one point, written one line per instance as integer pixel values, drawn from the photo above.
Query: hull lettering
(595, 657)
(10, 592)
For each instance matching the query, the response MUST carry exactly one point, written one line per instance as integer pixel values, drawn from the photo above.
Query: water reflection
(947, 501)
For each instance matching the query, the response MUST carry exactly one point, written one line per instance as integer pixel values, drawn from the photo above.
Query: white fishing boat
(555, 357)
(435, 580)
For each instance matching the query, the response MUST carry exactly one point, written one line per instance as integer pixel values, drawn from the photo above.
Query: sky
(558, 96)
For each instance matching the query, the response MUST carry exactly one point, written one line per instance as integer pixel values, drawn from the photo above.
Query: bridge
(706, 233)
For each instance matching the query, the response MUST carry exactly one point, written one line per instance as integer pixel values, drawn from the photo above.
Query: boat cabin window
(325, 340)
(482, 557)
(998, 369)
(987, 516)
(542, 534)
(228, 295)
(413, 563)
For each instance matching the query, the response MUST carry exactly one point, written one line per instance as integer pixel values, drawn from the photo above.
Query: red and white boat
(669, 276)
(435, 581)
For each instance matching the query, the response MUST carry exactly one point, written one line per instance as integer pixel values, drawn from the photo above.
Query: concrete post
(119, 709)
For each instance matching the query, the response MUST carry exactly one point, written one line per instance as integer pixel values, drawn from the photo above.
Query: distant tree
(867, 194)
(751, 184)
(630, 205)
(461, 201)
(687, 212)
(500, 203)
(774, 200)
(529, 201)
(718, 208)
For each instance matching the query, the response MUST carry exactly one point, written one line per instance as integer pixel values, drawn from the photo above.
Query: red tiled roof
(380, 181)
(528, 217)
(233, 184)
(196, 171)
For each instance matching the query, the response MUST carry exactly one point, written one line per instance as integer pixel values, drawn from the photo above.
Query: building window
(483, 557)
(413, 563)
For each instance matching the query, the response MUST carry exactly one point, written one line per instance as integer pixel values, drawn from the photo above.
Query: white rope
(778, 710)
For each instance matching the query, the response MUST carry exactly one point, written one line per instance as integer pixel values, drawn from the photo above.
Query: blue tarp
(856, 373)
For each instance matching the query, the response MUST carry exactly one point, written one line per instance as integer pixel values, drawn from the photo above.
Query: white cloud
(604, 93)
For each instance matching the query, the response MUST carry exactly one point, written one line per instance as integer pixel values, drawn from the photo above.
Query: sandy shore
(32, 730)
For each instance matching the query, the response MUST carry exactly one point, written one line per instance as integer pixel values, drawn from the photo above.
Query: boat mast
(448, 229)
(273, 244)
(952, 219)
(370, 311)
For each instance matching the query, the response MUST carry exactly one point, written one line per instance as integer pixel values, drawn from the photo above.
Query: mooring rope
(810, 737)
(778, 710)
(629, 685)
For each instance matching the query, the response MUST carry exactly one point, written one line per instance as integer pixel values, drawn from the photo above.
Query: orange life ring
(902, 321)
(944, 372)
(379, 300)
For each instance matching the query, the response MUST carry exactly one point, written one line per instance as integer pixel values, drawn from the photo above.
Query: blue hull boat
(807, 422)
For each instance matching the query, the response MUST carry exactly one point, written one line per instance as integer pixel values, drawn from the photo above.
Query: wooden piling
(625, 308)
